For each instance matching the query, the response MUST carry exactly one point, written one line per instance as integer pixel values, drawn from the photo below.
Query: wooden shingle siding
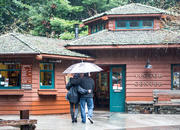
(52, 104)
(111, 24)
(135, 61)
(157, 24)
(31, 100)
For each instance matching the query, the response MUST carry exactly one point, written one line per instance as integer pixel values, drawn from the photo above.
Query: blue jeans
(90, 106)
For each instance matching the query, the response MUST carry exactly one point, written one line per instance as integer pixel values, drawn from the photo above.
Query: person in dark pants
(73, 95)
(88, 84)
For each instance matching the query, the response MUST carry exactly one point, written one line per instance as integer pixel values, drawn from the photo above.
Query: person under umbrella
(87, 83)
(73, 95)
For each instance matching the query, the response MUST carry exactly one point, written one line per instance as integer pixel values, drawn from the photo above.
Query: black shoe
(72, 121)
(75, 120)
(90, 119)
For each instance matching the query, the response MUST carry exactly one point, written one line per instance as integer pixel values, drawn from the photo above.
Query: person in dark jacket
(73, 95)
(88, 84)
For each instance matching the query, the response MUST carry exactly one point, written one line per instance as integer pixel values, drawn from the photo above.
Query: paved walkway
(104, 121)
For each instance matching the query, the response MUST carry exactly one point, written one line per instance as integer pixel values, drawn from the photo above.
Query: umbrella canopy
(83, 67)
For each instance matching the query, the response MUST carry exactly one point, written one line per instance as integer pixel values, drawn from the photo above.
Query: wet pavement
(104, 120)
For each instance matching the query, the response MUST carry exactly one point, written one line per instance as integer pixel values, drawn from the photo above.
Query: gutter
(41, 56)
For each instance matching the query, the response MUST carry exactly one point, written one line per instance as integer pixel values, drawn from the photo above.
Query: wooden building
(31, 74)
(130, 43)
(138, 55)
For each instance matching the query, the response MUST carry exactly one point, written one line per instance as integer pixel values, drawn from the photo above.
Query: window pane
(134, 23)
(121, 24)
(46, 66)
(9, 78)
(176, 77)
(9, 66)
(46, 78)
(147, 23)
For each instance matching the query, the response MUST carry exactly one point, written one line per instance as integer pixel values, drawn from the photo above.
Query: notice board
(26, 76)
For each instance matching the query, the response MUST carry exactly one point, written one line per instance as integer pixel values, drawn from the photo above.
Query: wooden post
(24, 114)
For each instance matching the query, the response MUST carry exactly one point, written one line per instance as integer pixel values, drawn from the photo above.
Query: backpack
(73, 95)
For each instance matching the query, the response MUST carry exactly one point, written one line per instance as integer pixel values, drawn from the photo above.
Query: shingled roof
(15, 43)
(130, 9)
(106, 37)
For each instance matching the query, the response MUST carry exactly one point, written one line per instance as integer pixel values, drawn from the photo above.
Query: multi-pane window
(134, 24)
(121, 24)
(46, 76)
(97, 27)
(10, 76)
(147, 23)
(175, 77)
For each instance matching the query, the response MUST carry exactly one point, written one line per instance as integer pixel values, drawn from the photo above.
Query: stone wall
(169, 109)
(139, 108)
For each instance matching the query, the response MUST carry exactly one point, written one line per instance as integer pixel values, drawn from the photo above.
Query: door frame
(123, 83)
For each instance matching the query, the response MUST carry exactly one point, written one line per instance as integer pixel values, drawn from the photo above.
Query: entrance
(101, 93)
(117, 88)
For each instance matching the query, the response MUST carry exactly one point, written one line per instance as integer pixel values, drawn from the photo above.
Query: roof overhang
(123, 47)
(17, 55)
(106, 17)
(41, 56)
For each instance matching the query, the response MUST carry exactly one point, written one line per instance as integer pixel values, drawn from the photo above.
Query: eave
(122, 47)
(41, 56)
(120, 16)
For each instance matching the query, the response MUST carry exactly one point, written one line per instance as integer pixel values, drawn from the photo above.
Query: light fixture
(148, 65)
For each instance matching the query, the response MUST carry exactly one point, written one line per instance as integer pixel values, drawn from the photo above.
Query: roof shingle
(106, 37)
(15, 43)
(130, 9)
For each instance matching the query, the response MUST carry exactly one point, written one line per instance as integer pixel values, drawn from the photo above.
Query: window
(46, 76)
(121, 24)
(98, 27)
(10, 76)
(175, 71)
(134, 24)
(147, 24)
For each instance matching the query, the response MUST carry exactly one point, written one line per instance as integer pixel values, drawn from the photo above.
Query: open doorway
(101, 92)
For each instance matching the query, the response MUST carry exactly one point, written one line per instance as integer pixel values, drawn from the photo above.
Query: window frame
(172, 66)
(97, 27)
(52, 86)
(12, 87)
(138, 27)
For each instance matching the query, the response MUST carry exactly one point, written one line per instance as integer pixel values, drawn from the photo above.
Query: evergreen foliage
(56, 18)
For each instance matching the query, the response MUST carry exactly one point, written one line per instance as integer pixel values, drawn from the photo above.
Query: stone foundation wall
(137, 108)
(148, 108)
(169, 109)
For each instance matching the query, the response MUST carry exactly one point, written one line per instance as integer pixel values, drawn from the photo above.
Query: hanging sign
(26, 76)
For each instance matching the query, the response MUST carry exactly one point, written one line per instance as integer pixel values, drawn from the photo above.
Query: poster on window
(26, 76)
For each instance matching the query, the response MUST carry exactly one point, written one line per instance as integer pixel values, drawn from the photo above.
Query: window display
(10, 76)
(46, 76)
(176, 77)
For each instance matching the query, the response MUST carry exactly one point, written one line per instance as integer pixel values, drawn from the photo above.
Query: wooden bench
(24, 122)
(166, 98)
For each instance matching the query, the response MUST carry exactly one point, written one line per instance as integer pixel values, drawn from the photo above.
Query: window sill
(47, 92)
(18, 92)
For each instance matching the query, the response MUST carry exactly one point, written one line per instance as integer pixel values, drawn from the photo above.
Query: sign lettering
(145, 76)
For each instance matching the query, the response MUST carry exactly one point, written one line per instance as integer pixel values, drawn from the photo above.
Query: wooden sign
(26, 76)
